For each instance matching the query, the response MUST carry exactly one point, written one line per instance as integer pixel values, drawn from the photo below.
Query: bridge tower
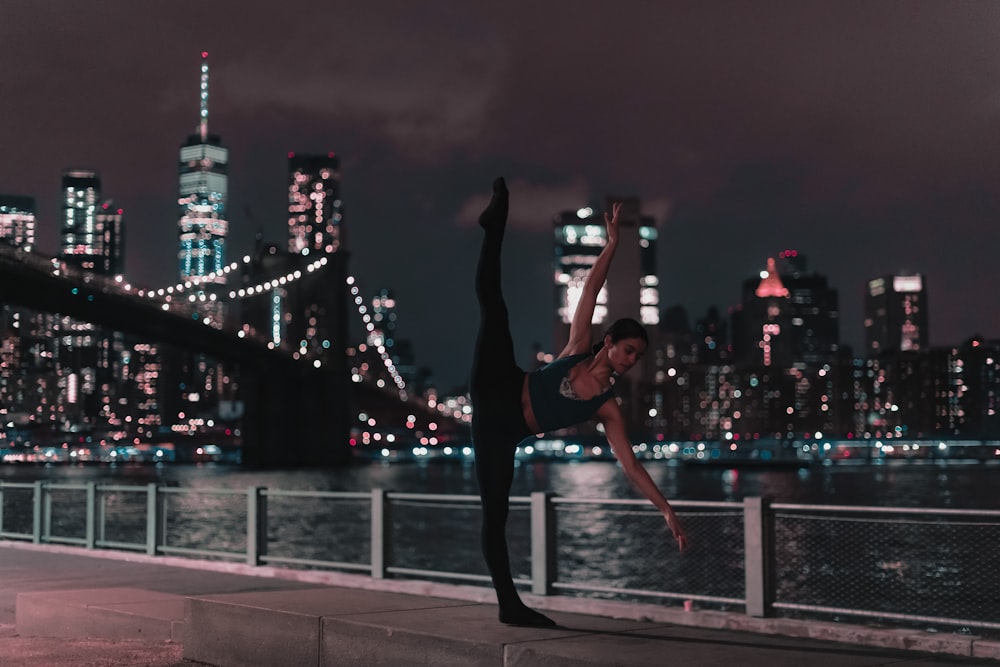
(297, 415)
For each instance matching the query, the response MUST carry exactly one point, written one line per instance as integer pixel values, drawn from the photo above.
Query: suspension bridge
(306, 402)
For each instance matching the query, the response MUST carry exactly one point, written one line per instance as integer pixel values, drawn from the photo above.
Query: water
(903, 485)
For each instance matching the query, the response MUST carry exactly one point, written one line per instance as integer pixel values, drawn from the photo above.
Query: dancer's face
(624, 353)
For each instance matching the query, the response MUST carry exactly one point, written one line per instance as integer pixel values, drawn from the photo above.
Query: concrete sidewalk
(70, 606)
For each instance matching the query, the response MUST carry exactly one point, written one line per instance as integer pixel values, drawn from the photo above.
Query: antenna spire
(203, 120)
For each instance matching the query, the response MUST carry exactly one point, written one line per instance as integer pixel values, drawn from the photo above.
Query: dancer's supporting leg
(498, 423)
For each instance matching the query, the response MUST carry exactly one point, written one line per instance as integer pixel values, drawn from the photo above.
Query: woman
(510, 405)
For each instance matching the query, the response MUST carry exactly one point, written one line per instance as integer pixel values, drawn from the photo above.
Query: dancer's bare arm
(579, 329)
(614, 428)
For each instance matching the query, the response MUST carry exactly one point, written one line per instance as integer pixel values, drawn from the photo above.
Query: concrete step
(357, 627)
(348, 626)
(106, 613)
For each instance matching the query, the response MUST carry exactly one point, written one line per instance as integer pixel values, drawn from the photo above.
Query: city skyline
(871, 156)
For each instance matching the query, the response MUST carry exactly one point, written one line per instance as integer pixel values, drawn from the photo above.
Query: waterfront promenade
(69, 606)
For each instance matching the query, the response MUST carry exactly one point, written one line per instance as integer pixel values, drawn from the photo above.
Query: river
(941, 485)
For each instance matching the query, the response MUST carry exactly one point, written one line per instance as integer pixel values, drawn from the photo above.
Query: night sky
(864, 134)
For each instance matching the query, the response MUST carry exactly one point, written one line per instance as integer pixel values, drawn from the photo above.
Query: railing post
(154, 519)
(36, 513)
(162, 504)
(1, 508)
(91, 536)
(543, 543)
(102, 518)
(758, 542)
(256, 525)
(47, 515)
(381, 538)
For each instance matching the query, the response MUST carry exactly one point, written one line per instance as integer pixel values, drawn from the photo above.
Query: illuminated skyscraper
(203, 193)
(17, 221)
(896, 317)
(632, 288)
(110, 227)
(383, 314)
(79, 238)
(762, 325)
(788, 316)
(91, 237)
(314, 206)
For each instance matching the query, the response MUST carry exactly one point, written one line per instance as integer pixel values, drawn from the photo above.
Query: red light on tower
(330, 154)
(290, 155)
(204, 54)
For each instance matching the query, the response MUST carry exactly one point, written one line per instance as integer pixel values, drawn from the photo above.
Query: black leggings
(498, 419)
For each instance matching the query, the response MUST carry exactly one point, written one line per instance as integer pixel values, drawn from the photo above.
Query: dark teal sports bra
(552, 398)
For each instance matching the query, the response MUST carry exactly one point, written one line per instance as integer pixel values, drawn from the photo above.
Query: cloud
(532, 206)
(429, 94)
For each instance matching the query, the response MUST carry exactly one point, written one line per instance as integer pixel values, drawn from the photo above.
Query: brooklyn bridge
(303, 403)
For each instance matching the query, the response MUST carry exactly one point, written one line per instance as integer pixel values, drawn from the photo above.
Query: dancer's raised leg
(498, 423)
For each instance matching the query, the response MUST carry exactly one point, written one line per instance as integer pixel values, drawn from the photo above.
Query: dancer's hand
(674, 524)
(611, 222)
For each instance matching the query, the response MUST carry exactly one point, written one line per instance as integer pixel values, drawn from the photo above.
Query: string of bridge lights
(286, 279)
(196, 282)
(178, 289)
(289, 278)
(370, 327)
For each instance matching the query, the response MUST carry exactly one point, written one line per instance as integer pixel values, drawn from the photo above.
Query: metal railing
(904, 566)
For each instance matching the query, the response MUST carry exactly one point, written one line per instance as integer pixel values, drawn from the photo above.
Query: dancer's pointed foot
(525, 616)
(494, 216)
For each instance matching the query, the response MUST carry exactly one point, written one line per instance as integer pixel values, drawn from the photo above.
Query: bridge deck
(62, 594)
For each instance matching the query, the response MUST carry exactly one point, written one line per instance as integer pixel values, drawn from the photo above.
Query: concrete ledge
(453, 635)
(986, 648)
(280, 627)
(323, 627)
(107, 613)
(345, 626)
(907, 640)
(858, 635)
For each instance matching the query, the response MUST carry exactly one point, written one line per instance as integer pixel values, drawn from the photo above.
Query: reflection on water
(960, 486)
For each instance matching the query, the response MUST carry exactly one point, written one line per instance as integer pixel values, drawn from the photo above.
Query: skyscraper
(25, 336)
(79, 238)
(815, 309)
(203, 194)
(111, 229)
(92, 232)
(762, 325)
(788, 316)
(632, 288)
(896, 317)
(314, 206)
(17, 221)
(383, 315)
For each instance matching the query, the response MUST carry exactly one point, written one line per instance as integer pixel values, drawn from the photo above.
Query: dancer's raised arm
(580, 338)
